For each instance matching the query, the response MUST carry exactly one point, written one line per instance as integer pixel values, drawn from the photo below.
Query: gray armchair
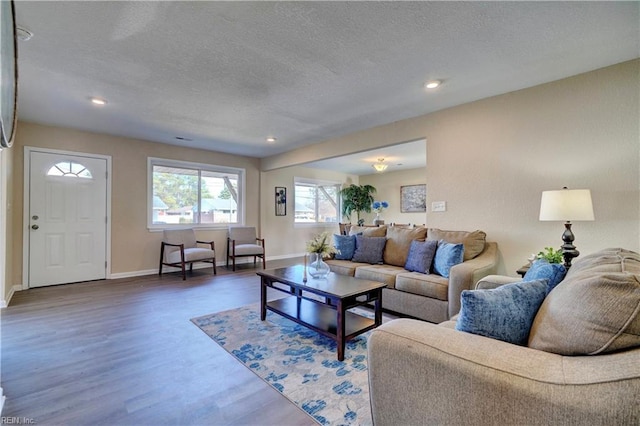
(581, 365)
(179, 247)
(243, 242)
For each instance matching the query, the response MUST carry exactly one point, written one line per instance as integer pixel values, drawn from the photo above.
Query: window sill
(207, 227)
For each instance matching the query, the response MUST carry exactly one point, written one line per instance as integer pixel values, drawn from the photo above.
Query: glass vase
(317, 267)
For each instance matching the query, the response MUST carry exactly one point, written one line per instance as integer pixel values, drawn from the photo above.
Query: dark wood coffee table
(329, 315)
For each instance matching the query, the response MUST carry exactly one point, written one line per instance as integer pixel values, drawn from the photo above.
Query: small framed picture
(281, 201)
(413, 198)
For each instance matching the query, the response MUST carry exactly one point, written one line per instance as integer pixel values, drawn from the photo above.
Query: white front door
(67, 218)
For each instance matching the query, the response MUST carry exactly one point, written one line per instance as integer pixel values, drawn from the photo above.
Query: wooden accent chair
(179, 247)
(344, 228)
(243, 242)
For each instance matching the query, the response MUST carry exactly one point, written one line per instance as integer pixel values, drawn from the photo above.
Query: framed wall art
(413, 198)
(281, 201)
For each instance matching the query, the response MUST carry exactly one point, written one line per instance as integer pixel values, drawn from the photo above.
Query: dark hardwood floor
(123, 352)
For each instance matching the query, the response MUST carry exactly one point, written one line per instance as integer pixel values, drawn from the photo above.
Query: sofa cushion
(398, 244)
(595, 309)
(428, 285)
(380, 273)
(541, 269)
(504, 313)
(447, 256)
(474, 242)
(346, 244)
(420, 257)
(368, 231)
(369, 249)
(344, 267)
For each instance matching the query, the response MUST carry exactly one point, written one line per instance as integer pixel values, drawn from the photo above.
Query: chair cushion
(369, 249)
(504, 313)
(398, 243)
(243, 234)
(447, 256)
(346, 244)
(380, 273)
(248, 250)
(595, 309)
(473, 242)
(541, 269)
(177, 236)
(428, 285)
(344, 267)
(420, 257)
(191, 255)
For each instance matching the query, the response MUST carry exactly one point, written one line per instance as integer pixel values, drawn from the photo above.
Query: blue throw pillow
(420, 256)
(447, 255)
(541, 269)
(346, 244)
(369, 249)
(504, 313)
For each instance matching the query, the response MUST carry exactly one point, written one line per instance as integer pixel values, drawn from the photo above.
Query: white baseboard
(12, 291)
(240, 261)
(131, 274)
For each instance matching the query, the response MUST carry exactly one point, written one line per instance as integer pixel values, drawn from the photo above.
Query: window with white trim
(316, 201)
(203, 195)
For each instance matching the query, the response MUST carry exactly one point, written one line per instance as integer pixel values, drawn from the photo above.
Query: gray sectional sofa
(581, 365)
(429, 297)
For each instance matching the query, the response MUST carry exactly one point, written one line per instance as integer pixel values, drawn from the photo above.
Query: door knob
(34, 227)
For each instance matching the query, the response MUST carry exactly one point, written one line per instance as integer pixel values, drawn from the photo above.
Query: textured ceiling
(228, 74)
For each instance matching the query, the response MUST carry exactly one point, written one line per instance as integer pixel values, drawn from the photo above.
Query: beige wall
(282, 237)
(388, 189)
(6, 168)
(491, 159)
(133, 247)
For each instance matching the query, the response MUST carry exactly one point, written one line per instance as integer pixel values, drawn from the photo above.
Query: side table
(523, 270)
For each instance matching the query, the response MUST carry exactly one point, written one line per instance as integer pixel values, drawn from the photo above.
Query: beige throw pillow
(594, 310)
(398, 243)
(473, 242)
(368, 231)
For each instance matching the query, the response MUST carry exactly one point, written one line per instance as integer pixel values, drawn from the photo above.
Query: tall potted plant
(357, 198)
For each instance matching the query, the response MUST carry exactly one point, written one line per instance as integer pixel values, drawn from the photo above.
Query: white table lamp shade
(566, 205)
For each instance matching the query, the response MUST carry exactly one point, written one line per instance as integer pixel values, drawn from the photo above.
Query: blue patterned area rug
(298, 362)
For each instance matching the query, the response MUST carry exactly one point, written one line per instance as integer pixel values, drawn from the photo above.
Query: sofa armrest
(495, 281)
(465, 275)
(421, 373)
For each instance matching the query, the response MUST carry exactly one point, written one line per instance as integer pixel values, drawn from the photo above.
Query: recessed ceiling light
(271, 139)
(432, 84)
(98, 101)
(23, 34)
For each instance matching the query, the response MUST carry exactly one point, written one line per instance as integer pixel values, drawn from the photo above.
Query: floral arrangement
(321, 243)
(378, 206)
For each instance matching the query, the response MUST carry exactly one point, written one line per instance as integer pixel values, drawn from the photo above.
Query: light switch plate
(439, 206)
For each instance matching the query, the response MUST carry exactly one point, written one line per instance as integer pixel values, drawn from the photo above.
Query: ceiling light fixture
(432, 84)
(98, 101)
(271, 139)
(380, 166)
